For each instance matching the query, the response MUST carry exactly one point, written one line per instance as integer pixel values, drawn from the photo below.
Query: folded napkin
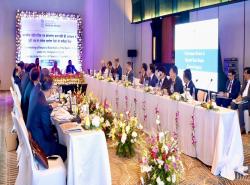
(71, 127)
(61, 115)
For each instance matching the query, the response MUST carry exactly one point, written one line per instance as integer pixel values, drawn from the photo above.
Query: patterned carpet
(124, 171)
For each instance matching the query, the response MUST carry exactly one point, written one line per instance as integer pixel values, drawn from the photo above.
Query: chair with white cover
(18, 92)
(17, 110)
(12, 81)
(247, 121)
(201, 96)
(30, 171)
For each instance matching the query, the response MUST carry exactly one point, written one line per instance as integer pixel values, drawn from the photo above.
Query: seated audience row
(35, 87)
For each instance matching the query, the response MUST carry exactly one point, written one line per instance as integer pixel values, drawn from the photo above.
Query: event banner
(196, 48)
(50, 38)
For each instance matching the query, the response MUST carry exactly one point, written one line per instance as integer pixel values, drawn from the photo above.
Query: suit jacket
(24, 82)
(130, 76)
(103, 69)
(235, 90)
(152, 81)
(25, 100)
(165, 83)
(191, 87)
(17, 79)
(247, 98)
(39, 123)
(143, 78)
(71, 69)
(117, 71)
(178, 86)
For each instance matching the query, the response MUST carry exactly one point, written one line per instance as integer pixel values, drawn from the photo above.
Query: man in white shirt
(242, 102)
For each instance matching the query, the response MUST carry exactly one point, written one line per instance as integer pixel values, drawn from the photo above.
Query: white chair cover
(17, 90)
(201, 96)
(30, 172)
(12, 81)
(246, 119)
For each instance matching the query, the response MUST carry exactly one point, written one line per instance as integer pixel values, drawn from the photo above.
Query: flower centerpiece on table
(109, 79)
(91, 101)
(177, 97)
(98, 76)
(127, 83)
(92, 121)
(161, 162)
(148, 89)
(126, 132)
(209, 106)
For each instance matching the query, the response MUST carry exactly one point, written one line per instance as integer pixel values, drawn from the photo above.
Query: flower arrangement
(108, 116)
(177, 97)
(92, 121)
(161, 162)
(98, 76)
(68, 79)
(126, 132)
(127, 83)
(209, 106)
(109, 79)
(148, 89)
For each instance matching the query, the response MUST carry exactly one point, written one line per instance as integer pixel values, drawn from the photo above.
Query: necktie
(230, 86)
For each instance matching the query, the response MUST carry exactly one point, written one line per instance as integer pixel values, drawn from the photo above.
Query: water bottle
(116, 77)
(208, 96)
(193, 94)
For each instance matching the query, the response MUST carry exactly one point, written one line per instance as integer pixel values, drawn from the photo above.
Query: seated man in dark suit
(175, 81)
(103, 66)
(130, 73)
(109, 70)
(39, 122)
(71, 68)
(26, 78)
(231, 91)
(34, 79)
(187, 78)
(152, 79)
(243, 100)
(18, 74)
(163, 82)
(117, 69)
(143, 73)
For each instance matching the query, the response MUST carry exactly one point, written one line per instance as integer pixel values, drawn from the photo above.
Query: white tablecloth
(218, 136)
(88, 159)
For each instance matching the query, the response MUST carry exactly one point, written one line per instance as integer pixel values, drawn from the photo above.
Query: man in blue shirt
(71, 68)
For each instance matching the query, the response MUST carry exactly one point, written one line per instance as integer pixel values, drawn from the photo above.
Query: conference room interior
(104, 92)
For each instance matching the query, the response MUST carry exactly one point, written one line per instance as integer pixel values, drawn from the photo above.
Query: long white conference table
(217, 133)
(87, 159)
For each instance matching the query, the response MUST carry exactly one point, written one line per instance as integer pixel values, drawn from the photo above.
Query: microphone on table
(211, 80)
(208, 92)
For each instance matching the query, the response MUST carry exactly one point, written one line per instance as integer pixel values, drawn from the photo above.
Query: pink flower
(144, 160)
(166, 167)
(174, 165)
(155, 149)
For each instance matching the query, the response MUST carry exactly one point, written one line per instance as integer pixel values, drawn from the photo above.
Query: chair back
(27, 155)
(12, 81)
(201, 96)
(18, 92)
